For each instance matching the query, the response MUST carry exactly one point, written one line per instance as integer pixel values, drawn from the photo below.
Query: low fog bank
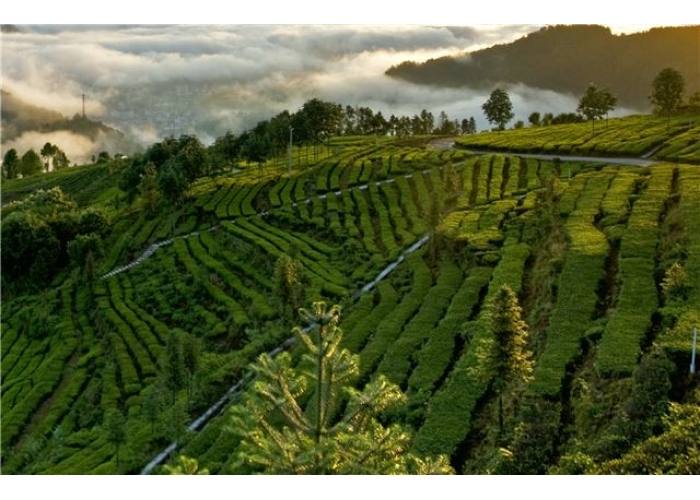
(153, 81)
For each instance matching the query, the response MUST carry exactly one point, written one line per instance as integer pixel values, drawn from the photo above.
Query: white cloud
(157, 80)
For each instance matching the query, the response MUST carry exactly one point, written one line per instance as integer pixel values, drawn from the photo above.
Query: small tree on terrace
(667, 91)
(472, 125)
(288, 278)
(498, 108)
(31, 163)
(47, 152)
(468, 126)
(60, 160)
(595, 104)
(11, 164)
(280, 435)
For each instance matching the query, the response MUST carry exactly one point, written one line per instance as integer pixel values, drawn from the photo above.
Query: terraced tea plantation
(100, 377)
(672, 139)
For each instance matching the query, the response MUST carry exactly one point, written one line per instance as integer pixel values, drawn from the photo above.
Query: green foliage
(81, 246)
(55, 154)
(667, 91)
(564, 58)
(172, 181)
(185, 465)
(498, 108)
(534, 118)
(30, 164)
(649, 398)
(30, 248)
(435, 355)
(511, 356)
(576, 300)
(288, 279)
(173, 369)
(628, 136)
(115, 429)
(595, 103)
(397, 361)
(80, 351)
(533, 443)
(38, 234)
(389, 328)
(636, 302)
(674, 451)
(637, 299)
(675, 283)
(149, 188)
(307, 442)
(11, 164)
(450, 411)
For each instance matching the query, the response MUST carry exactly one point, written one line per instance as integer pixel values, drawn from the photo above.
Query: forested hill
(567, 58)
(19, 117)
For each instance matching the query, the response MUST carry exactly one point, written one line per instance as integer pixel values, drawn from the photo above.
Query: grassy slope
(56, 389)
(672, 139)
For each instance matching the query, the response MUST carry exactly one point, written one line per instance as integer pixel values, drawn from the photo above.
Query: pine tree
(282, 435)
(288, 277)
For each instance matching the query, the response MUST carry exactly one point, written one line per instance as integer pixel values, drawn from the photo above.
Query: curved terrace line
(201, 422)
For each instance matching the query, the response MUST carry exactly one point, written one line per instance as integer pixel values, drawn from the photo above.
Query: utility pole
(289, 159)
(83, 105)
(695, 344)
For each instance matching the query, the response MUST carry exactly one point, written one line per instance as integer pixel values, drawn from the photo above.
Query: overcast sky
(153, 80)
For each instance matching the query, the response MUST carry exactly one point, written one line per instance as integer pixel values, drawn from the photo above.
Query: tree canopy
(177, 163)
(11, 164)
(37, 233)
(30, 164)
(498, 108)
(280, 434)
(596, 103)
(667, 91)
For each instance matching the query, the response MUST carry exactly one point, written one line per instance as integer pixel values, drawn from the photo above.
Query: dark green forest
(566, 59)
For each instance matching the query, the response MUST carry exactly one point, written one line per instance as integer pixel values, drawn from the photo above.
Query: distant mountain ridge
(567, 58)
